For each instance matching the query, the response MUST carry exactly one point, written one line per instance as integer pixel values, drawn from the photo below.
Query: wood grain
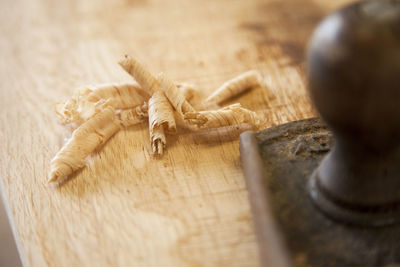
(189, 208)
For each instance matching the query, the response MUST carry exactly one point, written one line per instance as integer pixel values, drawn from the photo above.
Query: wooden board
(188, 208)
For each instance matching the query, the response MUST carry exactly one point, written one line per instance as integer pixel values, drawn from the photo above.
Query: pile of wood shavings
(97, 113)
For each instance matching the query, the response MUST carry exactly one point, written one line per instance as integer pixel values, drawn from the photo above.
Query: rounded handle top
(354, 73)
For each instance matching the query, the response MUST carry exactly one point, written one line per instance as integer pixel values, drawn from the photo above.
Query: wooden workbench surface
(126, 209)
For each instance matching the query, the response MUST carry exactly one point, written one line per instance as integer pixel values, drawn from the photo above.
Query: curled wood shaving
(222, 134)
(175, 96)
(188, 90)
(134, 116)
(140, 74)
(227, 116)
(88, 101)
(161, 119)
(90, 135)
(68, 112)
(121, 96)
(235, 86)
(94, 109)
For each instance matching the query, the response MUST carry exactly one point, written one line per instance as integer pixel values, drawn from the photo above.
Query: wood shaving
(90, 135)
(88, 101)
(222, 134)
(231, 115)
(140, 74)
(134, 116)
(121, 96)
(100, 111)
(161, 120)
(188, 90)
(175, 96)
(68, 112)
(235, 86)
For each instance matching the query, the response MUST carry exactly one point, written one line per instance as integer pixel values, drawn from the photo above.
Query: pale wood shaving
(90, 135)
(221, 134)
(121, 96)
(134, 116)
(227, 116)
(68, 112)
(161, 120)
(174, 95)
(235, 86)
(188, 90)
(102, 110)
(88, 101)
(140, 74)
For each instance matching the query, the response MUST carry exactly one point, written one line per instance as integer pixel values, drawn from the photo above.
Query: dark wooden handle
(353, 74)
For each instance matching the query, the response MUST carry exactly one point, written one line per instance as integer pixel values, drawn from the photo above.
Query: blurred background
(8, 249)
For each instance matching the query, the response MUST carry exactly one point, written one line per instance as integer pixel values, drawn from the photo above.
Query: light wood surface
(189, 208)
